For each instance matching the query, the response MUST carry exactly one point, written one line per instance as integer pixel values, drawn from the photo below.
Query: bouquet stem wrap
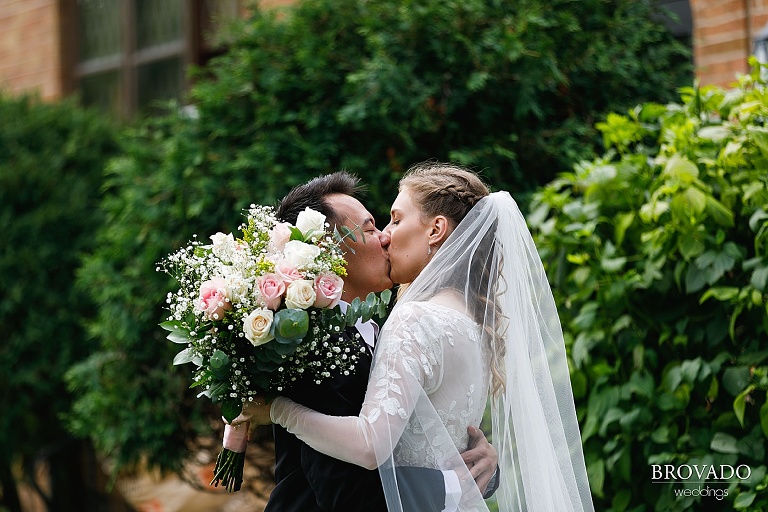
(231, 460)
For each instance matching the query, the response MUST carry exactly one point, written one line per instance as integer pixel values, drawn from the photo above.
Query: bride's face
(409, 233)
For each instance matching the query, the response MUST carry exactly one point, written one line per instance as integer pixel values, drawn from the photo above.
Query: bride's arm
(403, 367)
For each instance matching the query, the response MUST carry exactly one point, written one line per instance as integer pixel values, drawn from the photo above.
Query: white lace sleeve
(408, 361)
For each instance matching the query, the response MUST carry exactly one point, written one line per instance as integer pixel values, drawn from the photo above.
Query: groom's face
(368, 265)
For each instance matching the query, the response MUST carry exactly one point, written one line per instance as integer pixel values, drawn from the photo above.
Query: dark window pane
(99, 28)
(158, 22)
(102, 90)
(161, 80)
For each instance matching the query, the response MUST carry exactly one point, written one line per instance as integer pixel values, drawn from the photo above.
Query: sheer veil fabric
(480, 313)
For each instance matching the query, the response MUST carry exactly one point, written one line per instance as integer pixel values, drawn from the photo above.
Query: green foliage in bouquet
(51, 161)
(658, 256)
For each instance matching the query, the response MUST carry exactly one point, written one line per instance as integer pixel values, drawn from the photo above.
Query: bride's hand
(254, 414)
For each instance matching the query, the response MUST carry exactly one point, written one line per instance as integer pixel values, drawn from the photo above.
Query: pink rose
(280, 235)
(287, 271)
(272, 288)
(328, 289)
(214, 298)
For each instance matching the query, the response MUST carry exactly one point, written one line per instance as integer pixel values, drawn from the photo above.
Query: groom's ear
(440, 230)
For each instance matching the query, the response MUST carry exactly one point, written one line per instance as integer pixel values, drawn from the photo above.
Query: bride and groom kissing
(474, 320)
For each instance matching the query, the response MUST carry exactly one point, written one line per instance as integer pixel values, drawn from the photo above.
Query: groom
(307, 480)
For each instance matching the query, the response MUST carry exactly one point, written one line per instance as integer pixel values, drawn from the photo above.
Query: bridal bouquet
(256, 313)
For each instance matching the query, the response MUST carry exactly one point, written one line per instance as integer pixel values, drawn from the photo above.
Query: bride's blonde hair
(451, 191)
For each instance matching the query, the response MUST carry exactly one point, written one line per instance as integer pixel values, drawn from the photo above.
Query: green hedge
(658, 255)
(51, 162)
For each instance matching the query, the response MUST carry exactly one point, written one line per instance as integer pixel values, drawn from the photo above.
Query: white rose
(222, 239)
(300, 294)
(256, 326)
(310, 222)
(300, 254)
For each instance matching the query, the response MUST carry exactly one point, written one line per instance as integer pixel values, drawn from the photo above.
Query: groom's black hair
(314, 194)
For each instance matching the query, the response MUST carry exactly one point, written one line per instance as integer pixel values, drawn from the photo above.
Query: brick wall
(723, 33)
(31, 55)
(29, 47)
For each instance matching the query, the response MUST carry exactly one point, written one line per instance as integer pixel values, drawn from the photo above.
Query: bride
(475, 321)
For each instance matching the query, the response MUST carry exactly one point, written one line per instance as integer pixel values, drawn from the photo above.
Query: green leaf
(739, 404)
(719, 212)
(759, 278)
(296, 233)
(596, 477)
(623, 222)
(231, 409)
(744, 499)
(736, 379)
(681, 169)
(714, 133)
(723, 443)
(756, 219)
(688, 204)
(185, 356)
(764, 416)
(612, 265)
(691, 243)
(290, 325)
(721, 293)
(181, 337)
(171, 325)
(759, 136)
(219, 360)
(621, 500)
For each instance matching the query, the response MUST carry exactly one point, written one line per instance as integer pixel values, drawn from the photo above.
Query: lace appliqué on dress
(430, 343)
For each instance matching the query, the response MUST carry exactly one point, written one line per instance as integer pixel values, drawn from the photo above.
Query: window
(131, 53)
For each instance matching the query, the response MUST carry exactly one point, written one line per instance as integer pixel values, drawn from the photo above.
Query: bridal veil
(489, 271)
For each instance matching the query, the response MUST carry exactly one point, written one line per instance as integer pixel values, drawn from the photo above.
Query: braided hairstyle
(451, 190)
(444, 189)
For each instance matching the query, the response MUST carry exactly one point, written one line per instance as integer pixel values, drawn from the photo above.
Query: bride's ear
(440, 229)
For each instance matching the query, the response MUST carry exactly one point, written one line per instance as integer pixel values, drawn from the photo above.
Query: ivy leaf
(596, 477)
(721, 293)
(744, 500)
(735, 379)
(739, 404)
(723, 443)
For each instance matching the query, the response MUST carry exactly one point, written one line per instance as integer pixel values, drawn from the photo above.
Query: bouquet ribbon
(236, 438)
(231, 460)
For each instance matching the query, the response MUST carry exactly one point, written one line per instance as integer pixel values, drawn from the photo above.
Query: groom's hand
(481, 458)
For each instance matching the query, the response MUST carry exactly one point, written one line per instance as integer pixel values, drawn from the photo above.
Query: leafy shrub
(51, 162)
(512, 88)
(658, 255)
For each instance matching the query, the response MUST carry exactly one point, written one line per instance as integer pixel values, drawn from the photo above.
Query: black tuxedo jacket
(308, 480)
